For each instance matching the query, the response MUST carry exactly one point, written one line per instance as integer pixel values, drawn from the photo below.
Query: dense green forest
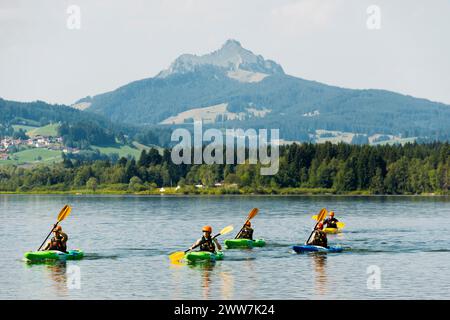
(331, 168)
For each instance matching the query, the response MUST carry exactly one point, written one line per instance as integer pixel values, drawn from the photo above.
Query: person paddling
(331, 221)
(246, 232)
(319, 237)
(206, 242)
(58, 241)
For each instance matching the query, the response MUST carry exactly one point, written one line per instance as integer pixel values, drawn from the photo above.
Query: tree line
(335, 168)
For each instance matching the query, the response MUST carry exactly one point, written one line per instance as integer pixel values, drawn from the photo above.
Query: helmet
(57, 228)
(207, 229)
(248, 224)
(320, 225)
(331, 213)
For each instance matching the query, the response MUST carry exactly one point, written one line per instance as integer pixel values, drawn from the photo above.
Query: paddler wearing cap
(206, 242)
(58, 241)
(331, 221)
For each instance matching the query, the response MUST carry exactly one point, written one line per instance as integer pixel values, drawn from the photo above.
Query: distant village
(9, 145)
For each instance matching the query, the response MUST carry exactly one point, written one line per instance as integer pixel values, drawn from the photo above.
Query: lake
(395, 247)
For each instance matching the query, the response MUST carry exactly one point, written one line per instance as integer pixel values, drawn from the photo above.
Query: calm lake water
(127, 240)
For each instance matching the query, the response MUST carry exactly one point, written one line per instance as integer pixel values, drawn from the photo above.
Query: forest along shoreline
(304, 169)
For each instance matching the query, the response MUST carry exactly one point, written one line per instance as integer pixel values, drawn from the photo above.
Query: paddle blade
(314, 217)
(252, 214)
(226, 230)
(176, 256)
(340, 225)
(65, 211)
(322, 215)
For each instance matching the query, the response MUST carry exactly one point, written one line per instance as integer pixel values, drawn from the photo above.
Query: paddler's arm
(196, 244)
(47, 245)
(64, 237)
(219, 247)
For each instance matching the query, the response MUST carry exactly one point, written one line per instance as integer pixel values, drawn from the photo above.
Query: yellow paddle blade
(65, 211)
(314, 217)
(176, 256)
(340, 225)
(322, 215)
(226, 230)
(252, 214)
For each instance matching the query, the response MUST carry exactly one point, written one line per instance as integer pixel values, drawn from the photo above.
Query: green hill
(50, 130)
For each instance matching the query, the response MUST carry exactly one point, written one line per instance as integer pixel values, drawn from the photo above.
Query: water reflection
(209, 277)
(56, 271)
(227, 281)
(320, 274)
(206, 273)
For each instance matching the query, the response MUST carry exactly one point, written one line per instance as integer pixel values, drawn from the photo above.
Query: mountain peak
(231, 57)
(232, 43)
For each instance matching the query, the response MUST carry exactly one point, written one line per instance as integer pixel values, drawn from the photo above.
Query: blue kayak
(310, 248)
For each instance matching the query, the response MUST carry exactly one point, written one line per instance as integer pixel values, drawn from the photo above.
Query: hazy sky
(122, 41)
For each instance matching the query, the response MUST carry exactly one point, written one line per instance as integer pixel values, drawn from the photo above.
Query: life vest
(207, 245)
(319, 238)
(58, 244)
(247, 233)
(331, 222)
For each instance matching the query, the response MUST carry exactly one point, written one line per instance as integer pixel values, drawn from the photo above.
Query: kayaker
(247, 231)
(319, 237)
(58, 241)
(331, 221)
(206, 242)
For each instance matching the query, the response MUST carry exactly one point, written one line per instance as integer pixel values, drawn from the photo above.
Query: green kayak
(203, 256)
(244, 243)
(53, 255)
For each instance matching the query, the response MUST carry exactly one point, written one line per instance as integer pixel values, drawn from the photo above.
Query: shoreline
(280, 193)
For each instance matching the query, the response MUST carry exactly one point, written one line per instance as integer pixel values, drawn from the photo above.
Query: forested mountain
(232, 87)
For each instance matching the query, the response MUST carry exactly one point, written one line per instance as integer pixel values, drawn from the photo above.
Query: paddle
(61, 216)
(340, 225)
(250, 216)
(176, 256)
(322, 215)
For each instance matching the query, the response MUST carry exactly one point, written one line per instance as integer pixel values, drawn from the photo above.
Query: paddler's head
(57, 230)
(207, 230)
(332, 214)
(320, 226)
(248, 224)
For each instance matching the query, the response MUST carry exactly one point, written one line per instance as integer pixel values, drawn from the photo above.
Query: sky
(402, 46)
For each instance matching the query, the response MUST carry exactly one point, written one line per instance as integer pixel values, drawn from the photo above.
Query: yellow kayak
(332, 230)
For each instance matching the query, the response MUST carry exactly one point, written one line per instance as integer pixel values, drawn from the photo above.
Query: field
(33, 155)
(50, 130)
